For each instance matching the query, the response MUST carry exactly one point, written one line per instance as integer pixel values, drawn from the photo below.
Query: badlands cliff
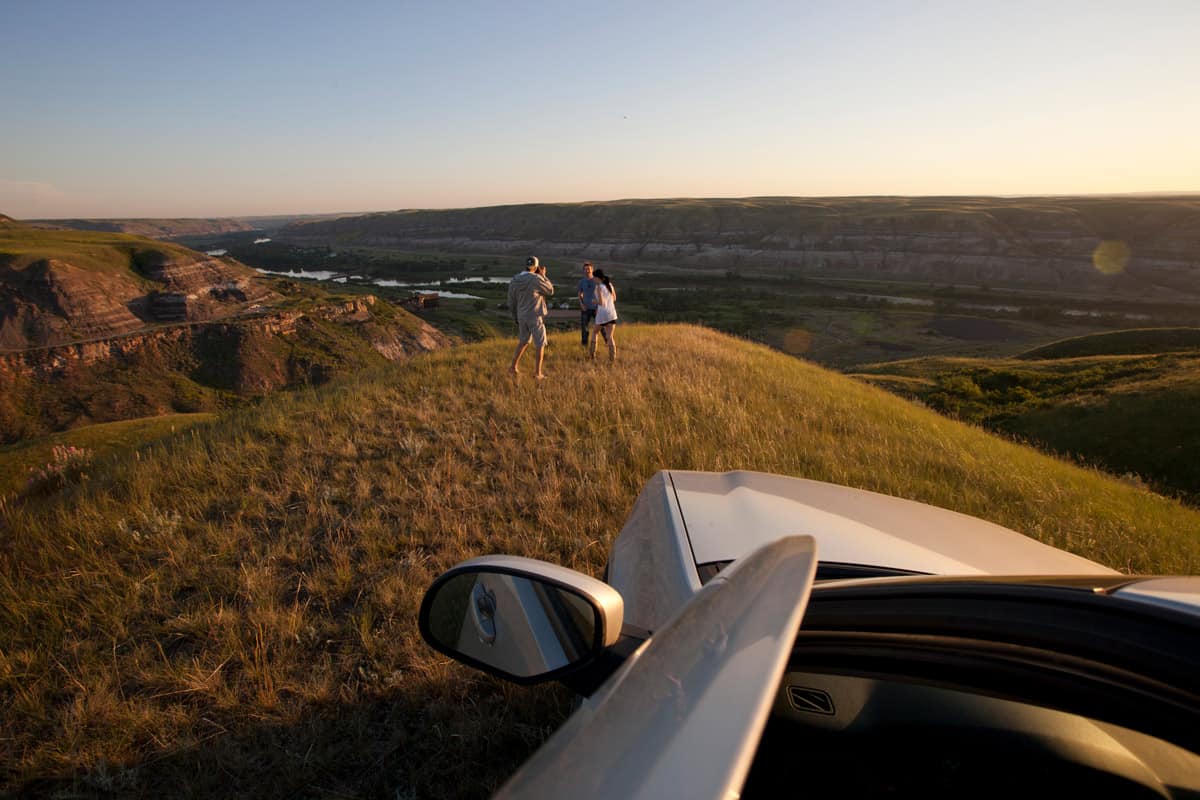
(1147, 245)
(99, 327)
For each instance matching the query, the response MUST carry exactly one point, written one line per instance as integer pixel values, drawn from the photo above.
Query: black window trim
(1011, 672)
(1074, 615)
(826, 571)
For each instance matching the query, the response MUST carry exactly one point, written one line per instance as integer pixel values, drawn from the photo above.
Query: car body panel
(1180, 593)
(683, 519)
(727, 515)
(651, 563)
(683, 718)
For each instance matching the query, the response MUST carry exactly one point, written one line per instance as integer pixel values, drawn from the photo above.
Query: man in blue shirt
(587, 302)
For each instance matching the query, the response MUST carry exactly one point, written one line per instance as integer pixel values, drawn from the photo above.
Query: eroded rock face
(356, 310)
(395, 342)
(199, 289)
(199, 275)
(134, 328)
(55, 302)
(398, 345)
(192, 367)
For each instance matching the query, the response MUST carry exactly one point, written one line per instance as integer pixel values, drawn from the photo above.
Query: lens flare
(797, 341)
(1111, 256)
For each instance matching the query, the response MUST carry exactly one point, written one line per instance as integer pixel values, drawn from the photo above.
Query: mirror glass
(521, 626)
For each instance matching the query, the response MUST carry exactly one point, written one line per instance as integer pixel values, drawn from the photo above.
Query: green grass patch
(1149, 434)
(1129, 414)
(22, 246)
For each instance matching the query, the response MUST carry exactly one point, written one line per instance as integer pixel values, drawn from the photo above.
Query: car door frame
(683, 716)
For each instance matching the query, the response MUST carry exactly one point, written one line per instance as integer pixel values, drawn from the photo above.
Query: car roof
(728, 515)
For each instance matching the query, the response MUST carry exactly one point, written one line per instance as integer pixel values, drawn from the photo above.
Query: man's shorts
(533, 329)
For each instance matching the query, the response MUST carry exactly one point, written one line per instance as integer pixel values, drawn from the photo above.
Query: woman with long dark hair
(606, 314)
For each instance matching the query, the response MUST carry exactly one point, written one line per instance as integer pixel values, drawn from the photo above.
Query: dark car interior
(986, 688)
(845, 736)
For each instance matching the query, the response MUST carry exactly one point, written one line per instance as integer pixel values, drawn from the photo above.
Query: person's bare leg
(517, 357)
(610, 338)
(592, 343)
(541, 356)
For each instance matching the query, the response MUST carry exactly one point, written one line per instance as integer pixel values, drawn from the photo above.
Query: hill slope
(1050, 242)
(98, 442)
(1119, 343)
(166, 228)
(1128, 413)
(234, 612)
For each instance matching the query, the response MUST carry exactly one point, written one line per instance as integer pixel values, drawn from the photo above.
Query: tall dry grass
(234, 613)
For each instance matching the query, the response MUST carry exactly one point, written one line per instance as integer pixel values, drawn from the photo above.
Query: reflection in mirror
(518, 625)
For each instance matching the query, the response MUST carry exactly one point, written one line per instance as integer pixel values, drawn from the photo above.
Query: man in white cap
(527, 295)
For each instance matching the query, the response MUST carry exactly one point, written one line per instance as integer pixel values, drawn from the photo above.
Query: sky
(168, 109)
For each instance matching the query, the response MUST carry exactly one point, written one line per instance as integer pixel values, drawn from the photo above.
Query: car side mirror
(519, 618)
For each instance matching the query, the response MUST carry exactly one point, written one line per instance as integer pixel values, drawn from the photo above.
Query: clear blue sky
(122, 108)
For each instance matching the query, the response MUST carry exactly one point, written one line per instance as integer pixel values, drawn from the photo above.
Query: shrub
(960, 386)
(65, 466)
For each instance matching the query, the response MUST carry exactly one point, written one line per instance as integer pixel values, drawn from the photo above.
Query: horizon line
(1137, 194)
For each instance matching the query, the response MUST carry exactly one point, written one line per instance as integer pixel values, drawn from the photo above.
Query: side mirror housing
(519, 618)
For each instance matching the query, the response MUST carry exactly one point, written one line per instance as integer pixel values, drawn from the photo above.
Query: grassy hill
(106, 252)
(167, 228)
(1135, 414)
(233, 611)
(1117, 343)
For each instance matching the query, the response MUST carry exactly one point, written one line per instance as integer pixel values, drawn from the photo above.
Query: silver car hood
(727, 515)
(684, 519)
